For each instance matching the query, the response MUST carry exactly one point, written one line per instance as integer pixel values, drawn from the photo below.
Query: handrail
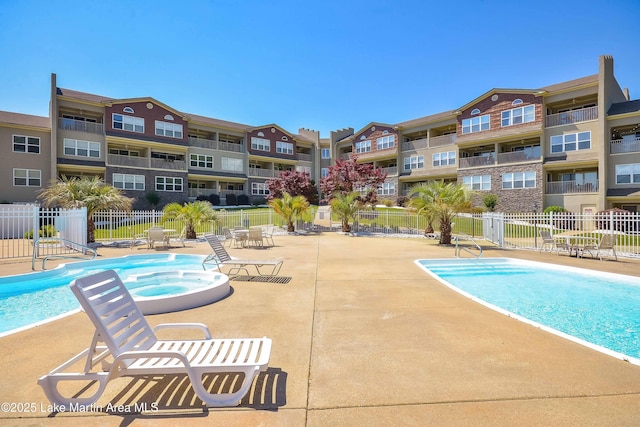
(79, 251)
(462, 248)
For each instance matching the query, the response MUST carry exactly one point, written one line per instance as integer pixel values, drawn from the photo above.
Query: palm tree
(192, 214)
(89, 192)
(440, 202)
(289, 208)
(346, 207)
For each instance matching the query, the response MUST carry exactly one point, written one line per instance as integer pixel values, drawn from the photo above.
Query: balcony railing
(626, 145)
(344, 156)
(81, 126)
(303, 157)
(439, 141)
(392, 170)
(519, 156)
(564, 187)
(195, 192)
(267, 173)
(470, 162)
(574, 116)
(145, 162)
(416, 144)
(215, 145)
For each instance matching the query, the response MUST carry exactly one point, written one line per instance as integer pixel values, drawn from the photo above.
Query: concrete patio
(361, 336)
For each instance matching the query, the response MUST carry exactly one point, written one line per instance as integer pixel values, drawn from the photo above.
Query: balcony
(304, 157)
(345, 156)
(625, 145)
(416, 144)
(519, 156)
(195, 192)
(472, 162)
(264, 173)
(566, 187)
(392, 170)
(145, 162)
(81, 126)
(215, 145)
(442, 140)
(574, 116)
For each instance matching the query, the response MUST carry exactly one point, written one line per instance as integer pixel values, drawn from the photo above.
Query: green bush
(45, 231)
(554, 209)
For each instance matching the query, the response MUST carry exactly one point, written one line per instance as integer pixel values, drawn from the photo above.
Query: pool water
(35, 297)
(598, 308)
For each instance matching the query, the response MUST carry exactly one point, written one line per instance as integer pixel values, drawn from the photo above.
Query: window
(128, 182)
(444, 159)
(201, 161)
(571, 142)
(260, 144)
(518, 180)
(26, 144)
(304, 169)
(480, 182)
(324, 172)
(386, 142)
(75, 147)
(476, 124)
(475, 111)
(519, 115)
(259, 189)
(231, 164)
(387, 189)
(171, 130)
(27, 177)
(628, 174)
(363, 146)
(128, 110)
(284, 147)
(326, 153)
(168, 183)
(130, 123)
(413, 162)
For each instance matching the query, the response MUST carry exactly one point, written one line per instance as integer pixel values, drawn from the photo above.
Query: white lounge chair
(136, 351)
(255, 237)
(548, 239)
(157, 234)
(220, 257)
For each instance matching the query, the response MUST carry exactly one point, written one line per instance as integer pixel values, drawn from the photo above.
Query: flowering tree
(295, 183)
(347, 176)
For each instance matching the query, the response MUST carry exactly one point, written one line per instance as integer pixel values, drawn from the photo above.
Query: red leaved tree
(347, 176)
(295, 183)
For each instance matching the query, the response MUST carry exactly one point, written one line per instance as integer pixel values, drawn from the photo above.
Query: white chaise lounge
(220, 257)
(135, 349)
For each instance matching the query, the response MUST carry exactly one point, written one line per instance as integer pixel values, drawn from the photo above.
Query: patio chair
(607, 244)
(220, 257)
(255, 236)
(555, 244)
(157, 234)
(268, 235)
(137, 351)
(179, 237)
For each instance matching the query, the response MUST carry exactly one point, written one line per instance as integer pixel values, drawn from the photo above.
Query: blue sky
(322, 65)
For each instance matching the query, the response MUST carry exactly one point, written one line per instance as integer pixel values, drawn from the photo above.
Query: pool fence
(504, 230)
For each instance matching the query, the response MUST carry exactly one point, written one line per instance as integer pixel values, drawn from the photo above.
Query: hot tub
(168, 291)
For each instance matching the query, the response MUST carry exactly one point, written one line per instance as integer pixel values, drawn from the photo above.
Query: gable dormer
(374, 138)
(145, 119)
(272, 141)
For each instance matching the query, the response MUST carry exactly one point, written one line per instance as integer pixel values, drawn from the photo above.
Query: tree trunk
(429, 229)
(290, 227)
(91, 228)
(445, 232)
(190, 233)
(346, 228)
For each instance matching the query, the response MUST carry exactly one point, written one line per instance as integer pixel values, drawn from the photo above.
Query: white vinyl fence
(509, 231)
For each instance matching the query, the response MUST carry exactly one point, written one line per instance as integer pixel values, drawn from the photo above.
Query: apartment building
(574, 144)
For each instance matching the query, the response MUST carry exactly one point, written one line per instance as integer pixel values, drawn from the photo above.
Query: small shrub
(490, 201)
(402, 201)
(47, 231)
(259, 201)
(214, 199)
(202, 198)
(387, 202)
(232, 200)
(554, 209)
(243, 199)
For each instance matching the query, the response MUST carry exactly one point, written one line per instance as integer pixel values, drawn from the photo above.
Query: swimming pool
(600, 310)
(26, 299)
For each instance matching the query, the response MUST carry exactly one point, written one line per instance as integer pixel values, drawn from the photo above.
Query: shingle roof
(24, 119)
(571, 83)
(428, 119)
(82, 95)
(624, 107)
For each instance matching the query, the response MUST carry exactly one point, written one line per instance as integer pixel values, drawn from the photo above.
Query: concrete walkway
(361, 336)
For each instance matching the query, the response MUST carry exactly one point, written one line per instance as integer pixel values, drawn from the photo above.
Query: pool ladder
(58, 248)
(459, 248)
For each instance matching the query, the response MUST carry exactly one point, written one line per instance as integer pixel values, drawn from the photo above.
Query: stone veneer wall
(515, 200)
